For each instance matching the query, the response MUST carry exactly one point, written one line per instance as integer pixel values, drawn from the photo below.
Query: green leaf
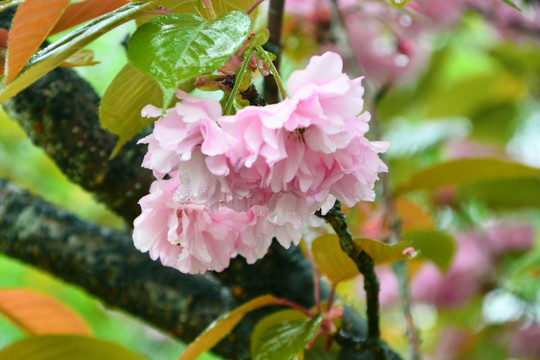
(219, 328)
(177, 47)
(433, 245)
(495, 123)
(503, 194)
(464, 171)
(319, 352)
(331, 260)
(54, 54)
(195, 6)
(382, 253)
(274, 319)
(66, 347)
(510, 3)
(283, 340)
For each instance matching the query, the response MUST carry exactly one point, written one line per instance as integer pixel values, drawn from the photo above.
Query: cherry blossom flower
(237, 181)
(193, 239)
(309, 149)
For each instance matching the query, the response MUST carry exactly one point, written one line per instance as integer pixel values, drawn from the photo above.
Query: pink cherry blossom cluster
(227, 185)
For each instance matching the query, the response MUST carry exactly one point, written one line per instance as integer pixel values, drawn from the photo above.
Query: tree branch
(275, 26)
(59, 114)
(393, 221)
(105, 263)
(365, 265)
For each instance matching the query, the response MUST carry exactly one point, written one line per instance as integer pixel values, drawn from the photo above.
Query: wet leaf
(195, 7)
(285, 339)
(177, 47)
(274, 319)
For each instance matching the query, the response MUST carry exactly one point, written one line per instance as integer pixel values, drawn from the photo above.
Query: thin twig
(393, 221)
(207, 4)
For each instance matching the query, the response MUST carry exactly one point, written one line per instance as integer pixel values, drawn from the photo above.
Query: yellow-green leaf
(331, 260)
(54, 54)
(66, 347)
(465, 171)
(39, 314)
(433, 245)
(383, 253)
(221, 327)
(120, 108)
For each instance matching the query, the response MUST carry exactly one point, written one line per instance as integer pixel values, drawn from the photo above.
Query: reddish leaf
(39, 314)
(31, 25)
(3, 47)
(80, 12)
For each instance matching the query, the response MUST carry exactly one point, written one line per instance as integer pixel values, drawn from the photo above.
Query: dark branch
(105, 263)
(275, 26)
(365, 265)
(59, 114)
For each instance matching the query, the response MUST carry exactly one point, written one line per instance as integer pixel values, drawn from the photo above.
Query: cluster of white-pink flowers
(227, 185)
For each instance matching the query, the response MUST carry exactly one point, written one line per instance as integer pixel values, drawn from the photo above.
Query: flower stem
(237, 82)
(254, 6)
(207, 4)
(275, 72)
(295, 306)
